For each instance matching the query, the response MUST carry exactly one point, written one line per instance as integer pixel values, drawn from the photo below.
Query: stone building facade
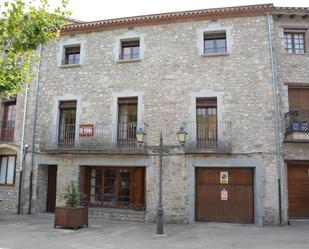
(207, 71)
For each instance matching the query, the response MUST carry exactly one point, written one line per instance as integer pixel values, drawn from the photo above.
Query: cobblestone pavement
(32, 232)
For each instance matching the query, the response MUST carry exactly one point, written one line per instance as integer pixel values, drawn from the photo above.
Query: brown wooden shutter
(298, 98)
(67, 104)
(87, 183)
(138, 187)
(206, 102)
(132, 100)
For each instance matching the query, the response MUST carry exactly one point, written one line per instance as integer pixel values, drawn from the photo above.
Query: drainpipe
(22, 154)
(34, 122)
(277, 115)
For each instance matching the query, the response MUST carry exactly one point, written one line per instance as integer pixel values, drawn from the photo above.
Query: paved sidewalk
(37, 232)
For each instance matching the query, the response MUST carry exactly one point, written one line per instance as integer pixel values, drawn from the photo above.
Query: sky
(91, 10)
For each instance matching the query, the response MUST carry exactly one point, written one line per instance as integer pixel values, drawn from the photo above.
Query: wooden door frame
(48, 187)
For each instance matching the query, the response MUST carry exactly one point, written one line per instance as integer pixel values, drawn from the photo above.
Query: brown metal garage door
(298, 187)
(213, 205)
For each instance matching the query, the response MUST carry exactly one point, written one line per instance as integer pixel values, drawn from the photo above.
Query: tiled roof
(163, 18)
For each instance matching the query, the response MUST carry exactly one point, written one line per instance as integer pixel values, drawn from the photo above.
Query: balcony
(7, 131)
(209, 137)
(297, 126)
(90, 137)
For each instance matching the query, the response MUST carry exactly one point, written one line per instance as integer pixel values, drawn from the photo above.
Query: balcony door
(206, 122)
(8, 123)
(67, 123)
(127, 121)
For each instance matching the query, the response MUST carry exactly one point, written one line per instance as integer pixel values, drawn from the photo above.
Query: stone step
(116, 214)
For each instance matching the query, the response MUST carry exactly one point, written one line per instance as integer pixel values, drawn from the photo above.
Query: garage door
(224, 195)
(298, 187)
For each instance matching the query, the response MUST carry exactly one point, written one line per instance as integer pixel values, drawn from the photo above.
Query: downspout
(277, 116)
(22, 152)
(34, 122)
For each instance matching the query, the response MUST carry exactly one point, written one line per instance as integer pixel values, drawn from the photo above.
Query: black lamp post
(182, 136)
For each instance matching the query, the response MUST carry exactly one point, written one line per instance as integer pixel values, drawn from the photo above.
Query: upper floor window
(8, 122)
(294, 42)
(206, 120)
(71, 55)
(127, 118)
(215, 42)
(67, 123)
(7, 170)
(130, 50)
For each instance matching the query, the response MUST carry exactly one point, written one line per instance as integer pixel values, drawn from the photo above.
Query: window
(67, 120)
(127, 118)
(215, 42)
(8, 123)
(7, 170)
(130, 50)
(113, 187)
(294, 42)
(206, 121)
(71, 55)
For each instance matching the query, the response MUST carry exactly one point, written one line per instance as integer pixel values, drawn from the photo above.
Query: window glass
(215, 42)
(294, 42)
(11, 169)
(130, 50)
(3, 170)
(72, 55)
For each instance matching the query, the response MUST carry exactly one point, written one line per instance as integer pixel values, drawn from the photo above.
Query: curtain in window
(3, 170)
(10, 173)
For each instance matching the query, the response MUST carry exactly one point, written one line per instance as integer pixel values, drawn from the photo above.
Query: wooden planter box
(72, 217)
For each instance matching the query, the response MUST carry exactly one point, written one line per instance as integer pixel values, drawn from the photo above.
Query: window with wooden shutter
(67, 123)
(114, 187)
(127, 122)
(8, 123)
(206, 121)
(298, 98)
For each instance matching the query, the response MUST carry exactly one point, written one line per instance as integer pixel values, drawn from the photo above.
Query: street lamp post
(160, 206)
(182, 136)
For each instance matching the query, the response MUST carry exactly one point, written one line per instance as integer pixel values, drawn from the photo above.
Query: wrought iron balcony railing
(297, 121)
(7, 131)
(208, 136)
(87, 137)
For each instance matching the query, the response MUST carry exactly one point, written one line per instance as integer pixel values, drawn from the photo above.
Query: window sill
(215, 54)
(7, 186)
(130, 60)
(70, 65)
(297, 54)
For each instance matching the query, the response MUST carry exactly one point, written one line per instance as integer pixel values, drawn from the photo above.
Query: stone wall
(292, 70)
(171, 72)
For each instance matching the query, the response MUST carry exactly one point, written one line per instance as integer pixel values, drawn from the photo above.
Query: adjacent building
(235, 79)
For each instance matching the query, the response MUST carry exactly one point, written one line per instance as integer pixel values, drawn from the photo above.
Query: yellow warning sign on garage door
(224, 177)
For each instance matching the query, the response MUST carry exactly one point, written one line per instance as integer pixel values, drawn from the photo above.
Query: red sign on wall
(224, 195)
(86, 130)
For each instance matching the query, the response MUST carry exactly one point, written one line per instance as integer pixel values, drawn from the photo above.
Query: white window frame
(56, 115)
(214, 28)
(114, 107)
(295, 29)
(70, 43)
(207, 94)
(130, 36)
